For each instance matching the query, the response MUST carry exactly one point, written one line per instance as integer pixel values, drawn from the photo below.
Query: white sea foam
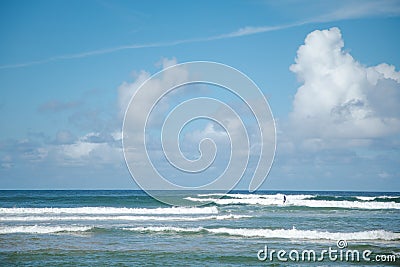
(121, 218)
(110, 210)
(375, 198)
(165, 229)
(366, 198)
(295, 200)
(346, 204)
(211, 195)
(40, 229)
(271, 197)
(279, 233)
(309, 234)
(278, 197)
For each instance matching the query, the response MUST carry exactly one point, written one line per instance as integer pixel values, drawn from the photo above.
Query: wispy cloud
(361, 9)
(241, 32)
(351, 10)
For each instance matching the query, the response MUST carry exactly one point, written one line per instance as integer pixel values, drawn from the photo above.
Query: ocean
(129, 228)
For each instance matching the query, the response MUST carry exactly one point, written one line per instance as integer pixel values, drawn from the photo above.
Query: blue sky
(68, 68)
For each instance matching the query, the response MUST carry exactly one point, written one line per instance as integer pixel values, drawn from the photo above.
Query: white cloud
(79, 149)
(138, 114)
(98, 148)
(208, 132)
(95, 148)
(340, 98)
(64, 137)
(155, 90)
(126, 91)
(91, 149)
(158, 86)
(117, 135)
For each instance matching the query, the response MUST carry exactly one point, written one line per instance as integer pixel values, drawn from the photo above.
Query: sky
(329, 70)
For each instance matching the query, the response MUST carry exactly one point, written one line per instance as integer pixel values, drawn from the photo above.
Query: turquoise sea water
(129, 228)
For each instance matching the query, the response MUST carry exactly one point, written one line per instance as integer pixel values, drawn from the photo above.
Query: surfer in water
(284, 199)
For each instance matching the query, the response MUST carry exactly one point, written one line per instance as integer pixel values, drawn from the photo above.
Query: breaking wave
(40, 229)
(277, 233)
(121, 218)
(111, 210)
(300, 200)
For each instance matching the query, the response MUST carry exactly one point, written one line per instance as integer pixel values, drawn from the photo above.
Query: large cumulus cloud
(339, 97)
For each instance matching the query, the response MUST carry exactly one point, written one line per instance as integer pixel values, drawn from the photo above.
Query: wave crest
(278, 233)
(110, 210)
(296, 200)
(39, 229)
